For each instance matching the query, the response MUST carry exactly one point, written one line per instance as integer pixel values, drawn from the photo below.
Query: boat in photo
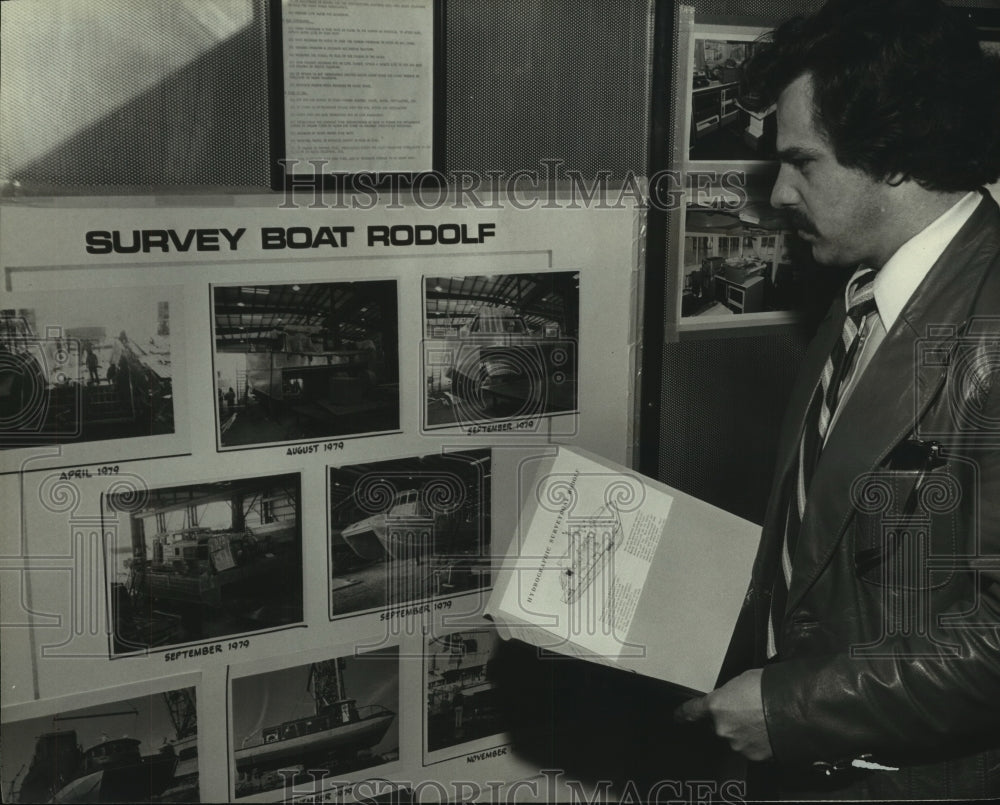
(363, 537)
(113, 770)
(209, 560)
(462, 700)
(405, 529)
(338, 731)
(345, 731)
(500, 361)
(293, 371)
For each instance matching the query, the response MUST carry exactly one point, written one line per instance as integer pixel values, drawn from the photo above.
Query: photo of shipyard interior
(142, 749)
(740, 261)
(101, 370)
(726, 124)
(305, 361)
(501, 347)
(205, 561)
(409, 529)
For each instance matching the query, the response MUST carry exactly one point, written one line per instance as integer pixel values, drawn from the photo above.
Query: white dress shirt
(897, 281)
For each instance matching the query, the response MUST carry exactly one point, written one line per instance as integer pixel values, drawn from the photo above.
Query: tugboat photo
(116, 769)
(338, 736)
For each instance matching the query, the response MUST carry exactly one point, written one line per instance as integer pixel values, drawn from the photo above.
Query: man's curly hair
(902, 89)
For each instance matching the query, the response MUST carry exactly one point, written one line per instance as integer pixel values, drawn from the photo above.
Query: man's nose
(783, 193)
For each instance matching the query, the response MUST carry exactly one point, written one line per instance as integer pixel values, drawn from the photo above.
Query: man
(866, 661)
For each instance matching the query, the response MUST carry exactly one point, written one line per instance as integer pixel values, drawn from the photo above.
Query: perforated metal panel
(754, 10)
(533, 80)
(723, 401)
(128, 95)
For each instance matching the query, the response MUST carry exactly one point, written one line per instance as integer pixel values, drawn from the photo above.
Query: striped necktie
(859, 299)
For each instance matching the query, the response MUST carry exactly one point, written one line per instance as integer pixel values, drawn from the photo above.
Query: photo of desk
(741, 296)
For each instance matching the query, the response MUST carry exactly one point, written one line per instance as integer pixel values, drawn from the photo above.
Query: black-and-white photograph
(336, 716)
(86, 366)
(727, 122)
(500, 347)
(142, 749)
(409, 529)
(740, 257)
(462, 705)
(305, 361)
(205, 561)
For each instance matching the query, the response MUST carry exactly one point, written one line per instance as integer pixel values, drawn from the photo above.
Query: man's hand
(737, 714)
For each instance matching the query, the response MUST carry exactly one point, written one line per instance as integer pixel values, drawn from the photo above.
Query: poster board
(209, 571)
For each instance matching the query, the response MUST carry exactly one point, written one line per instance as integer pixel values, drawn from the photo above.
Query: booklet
(614, 567)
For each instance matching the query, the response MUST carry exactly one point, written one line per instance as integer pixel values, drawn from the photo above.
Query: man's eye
(796, 162)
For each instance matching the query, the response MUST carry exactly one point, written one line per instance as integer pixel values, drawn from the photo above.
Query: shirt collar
(906, 269)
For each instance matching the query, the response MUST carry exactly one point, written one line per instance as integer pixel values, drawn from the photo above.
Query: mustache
(800, 221)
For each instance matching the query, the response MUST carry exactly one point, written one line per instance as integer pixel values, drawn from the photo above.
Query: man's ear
(896, 179)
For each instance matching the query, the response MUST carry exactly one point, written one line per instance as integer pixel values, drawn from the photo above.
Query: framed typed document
(354, 90)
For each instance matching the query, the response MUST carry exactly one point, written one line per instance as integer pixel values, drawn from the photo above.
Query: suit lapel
(905, 375)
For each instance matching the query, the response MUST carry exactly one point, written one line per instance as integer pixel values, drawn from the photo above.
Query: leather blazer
(889, 649)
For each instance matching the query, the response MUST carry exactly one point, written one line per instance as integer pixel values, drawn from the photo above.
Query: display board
(259, 465)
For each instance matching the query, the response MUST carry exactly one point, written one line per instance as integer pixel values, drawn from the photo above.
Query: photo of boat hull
(404, 538)
(531, 372)
(128, 784)
(405, 530)
(366, 537)
(287, 375)
(342, 739)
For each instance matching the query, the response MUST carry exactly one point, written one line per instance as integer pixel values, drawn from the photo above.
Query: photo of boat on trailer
(344, 730)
